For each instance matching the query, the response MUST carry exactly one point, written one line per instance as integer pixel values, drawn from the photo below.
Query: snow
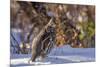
(58, 55)
(16, 36)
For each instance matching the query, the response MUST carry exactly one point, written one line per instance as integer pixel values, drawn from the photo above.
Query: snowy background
(58, 55)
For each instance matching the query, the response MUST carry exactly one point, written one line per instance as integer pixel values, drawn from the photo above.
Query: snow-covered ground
(58, 55)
